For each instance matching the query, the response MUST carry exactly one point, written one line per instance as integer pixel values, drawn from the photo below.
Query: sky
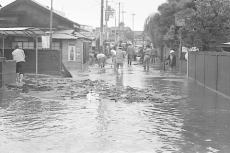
(87, 12)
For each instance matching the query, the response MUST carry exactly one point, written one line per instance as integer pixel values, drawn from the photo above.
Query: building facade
(29, 13)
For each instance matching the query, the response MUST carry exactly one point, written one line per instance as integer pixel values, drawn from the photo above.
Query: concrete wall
(211, 69)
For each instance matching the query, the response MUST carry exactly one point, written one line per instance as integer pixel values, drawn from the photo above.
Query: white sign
(45, 41)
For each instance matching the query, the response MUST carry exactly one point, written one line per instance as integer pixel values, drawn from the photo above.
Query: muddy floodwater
(133, 112)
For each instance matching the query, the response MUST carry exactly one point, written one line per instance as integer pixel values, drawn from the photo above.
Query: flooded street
(133, 112)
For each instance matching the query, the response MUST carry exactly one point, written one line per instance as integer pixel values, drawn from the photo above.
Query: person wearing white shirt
(101, 60)
(113, 53)
(19, 56)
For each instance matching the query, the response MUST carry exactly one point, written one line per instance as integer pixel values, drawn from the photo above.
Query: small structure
(29, 13)
(75, 49)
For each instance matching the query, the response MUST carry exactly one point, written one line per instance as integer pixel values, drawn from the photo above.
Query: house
(29, 13)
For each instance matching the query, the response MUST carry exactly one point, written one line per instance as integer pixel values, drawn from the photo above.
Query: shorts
(101, 62)
(19, 67)
(119, 65)
(146, 58)
(130, 57)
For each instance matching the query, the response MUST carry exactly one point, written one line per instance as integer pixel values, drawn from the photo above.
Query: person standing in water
(130, 52)
(19, 56)
(147, 54)
(120, 56)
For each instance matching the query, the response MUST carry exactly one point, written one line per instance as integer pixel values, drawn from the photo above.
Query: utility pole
(51, 23)
(123, 19)
(119, 14)
(106, 19)
(123, 12)
(133, 27)
(101, 30)
(115, 26)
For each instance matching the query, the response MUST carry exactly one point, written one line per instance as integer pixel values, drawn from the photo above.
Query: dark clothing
(172, 60)
(19, 67)
(130, 57)
(119, 65)
(130, 52)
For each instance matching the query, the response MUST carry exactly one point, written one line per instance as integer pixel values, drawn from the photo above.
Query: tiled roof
(45, 8)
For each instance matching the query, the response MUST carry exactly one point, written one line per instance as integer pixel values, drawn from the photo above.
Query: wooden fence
(211, 69)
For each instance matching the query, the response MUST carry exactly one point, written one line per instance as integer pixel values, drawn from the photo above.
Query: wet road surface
(175, 115)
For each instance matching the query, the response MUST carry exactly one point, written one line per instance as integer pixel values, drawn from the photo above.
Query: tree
(161, 26)
(209, 25)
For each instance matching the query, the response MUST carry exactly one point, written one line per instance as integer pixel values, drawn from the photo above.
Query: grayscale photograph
(114, 76)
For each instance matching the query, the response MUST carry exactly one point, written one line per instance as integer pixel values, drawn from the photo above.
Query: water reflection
(120, 79)
(3, 102)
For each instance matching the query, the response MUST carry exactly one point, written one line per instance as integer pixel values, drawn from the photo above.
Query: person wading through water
(101, 58)
(19, 56)
(147, 54)
(172, 59)
(130, 52)
(120, 56)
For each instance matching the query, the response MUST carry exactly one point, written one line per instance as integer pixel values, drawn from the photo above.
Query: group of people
(118, 55)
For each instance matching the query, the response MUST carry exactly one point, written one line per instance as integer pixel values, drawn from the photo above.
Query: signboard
(71, 53)
(45, 41)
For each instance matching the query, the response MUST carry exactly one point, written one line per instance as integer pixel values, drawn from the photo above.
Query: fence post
(188, 65)
(204, 69)
(217, 71)
(195, 66)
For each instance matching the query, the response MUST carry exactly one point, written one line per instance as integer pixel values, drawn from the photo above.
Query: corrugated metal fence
(212, 69)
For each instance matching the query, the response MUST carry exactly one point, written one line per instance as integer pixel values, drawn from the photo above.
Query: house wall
(72, 65)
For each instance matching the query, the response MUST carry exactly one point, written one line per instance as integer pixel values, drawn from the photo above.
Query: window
(17, 43)
(31, 45)
(28, 45)
(39, 45)
(23, 45)
(55, 46)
